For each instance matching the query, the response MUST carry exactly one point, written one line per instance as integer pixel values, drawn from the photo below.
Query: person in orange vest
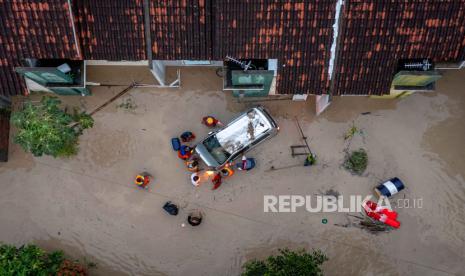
(227, 171)
(216, 180)
(185, 152)
(195, 179)
(192, 164)
(211, 121)
(198, 177)
(142, 180)
(187, 136)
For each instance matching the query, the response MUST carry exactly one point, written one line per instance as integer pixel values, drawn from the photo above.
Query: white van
(239, 136)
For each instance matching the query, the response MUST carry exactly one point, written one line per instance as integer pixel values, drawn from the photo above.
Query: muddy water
(119, 75)
(445, 143)
(74, 253)
(446, 138)
(427, 153)
(347, 108)
(88, 206)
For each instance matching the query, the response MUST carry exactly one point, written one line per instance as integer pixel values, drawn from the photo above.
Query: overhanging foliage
(47, 129)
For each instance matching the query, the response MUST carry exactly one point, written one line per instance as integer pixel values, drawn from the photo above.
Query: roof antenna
(425, 65)
(244, 65)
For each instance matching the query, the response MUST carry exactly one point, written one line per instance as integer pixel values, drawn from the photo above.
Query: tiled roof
(372, 37)
(4, 135)
(376, 34)
(297, 33)
(39, 29)
(181, 29)
(111, 29)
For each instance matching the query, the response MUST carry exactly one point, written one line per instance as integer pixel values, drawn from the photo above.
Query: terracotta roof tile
(181, 29)
(376, 35)
(297, 33)
(111, 30)
(373, 36)
(32, 30)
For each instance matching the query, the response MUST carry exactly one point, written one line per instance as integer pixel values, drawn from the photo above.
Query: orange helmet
(139, 180)
(142, 180)
(227, 171)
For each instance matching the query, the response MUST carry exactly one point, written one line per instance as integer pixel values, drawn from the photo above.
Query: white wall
(213, 63)
(118, 63)
(159, 71)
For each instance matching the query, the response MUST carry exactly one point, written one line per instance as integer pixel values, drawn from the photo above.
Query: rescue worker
(198, 177)
(195, 179)
(192, 164)
(216, 180)
(185, 152)
(310, 160)
(142, 180)
(187, 136)
(227, 171)
(246, 164)
(211, 121)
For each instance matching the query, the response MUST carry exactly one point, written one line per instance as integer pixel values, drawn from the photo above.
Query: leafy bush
(47, 129)
(310, 160)
(83, 120)
(292, 263)
(30, 260)
(356, 161)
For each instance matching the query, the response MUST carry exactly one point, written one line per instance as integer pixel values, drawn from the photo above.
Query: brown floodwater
(446, 139)
(91, 201)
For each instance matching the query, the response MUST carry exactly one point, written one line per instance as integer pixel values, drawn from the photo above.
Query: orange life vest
(227, 172)
(142, 180)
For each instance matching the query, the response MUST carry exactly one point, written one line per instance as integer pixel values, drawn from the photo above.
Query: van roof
(243, 131)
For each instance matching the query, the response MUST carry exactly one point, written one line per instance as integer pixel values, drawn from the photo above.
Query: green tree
(30, 260)
(47, 129)
(287, 263)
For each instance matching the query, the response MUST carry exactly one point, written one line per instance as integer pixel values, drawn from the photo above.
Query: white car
(239, 136)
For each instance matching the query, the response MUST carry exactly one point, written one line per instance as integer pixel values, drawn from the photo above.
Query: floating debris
(332, 192)
(128, 104)
(366, 223)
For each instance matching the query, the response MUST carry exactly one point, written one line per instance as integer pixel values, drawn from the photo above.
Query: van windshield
(216, 150)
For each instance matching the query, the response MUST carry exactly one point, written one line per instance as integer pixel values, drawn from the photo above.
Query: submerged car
(239, 136)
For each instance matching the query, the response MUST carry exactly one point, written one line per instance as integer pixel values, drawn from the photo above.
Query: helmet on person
(139, 180)
(227, 171)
